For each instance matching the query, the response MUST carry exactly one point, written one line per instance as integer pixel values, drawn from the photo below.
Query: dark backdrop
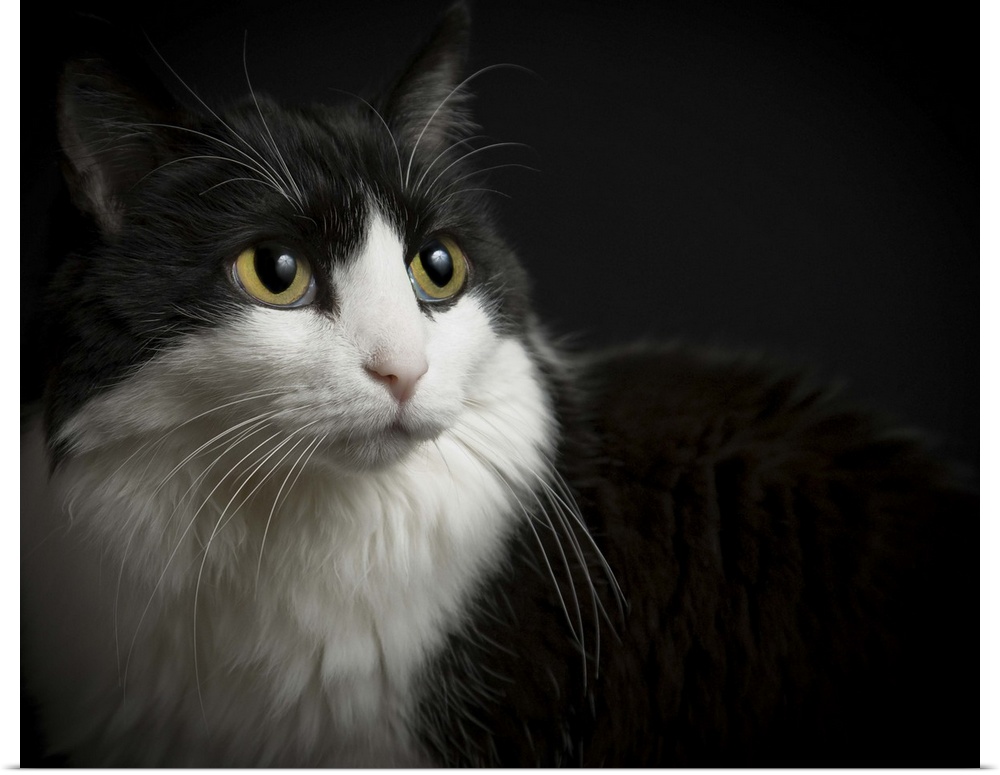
(794, 178)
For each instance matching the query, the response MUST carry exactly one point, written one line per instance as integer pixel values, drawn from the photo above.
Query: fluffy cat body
(369, 526)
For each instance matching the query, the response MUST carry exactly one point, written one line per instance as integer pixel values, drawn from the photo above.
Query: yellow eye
(438, 272)
(275, 275)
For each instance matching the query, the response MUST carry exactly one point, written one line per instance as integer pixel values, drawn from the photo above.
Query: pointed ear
(427, 106)
(110, 130)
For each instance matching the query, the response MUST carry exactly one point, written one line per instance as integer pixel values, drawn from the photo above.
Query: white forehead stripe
(377, 306)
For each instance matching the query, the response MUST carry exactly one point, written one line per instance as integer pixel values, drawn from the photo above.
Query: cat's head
(330, 272)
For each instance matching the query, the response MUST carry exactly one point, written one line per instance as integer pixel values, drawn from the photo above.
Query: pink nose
(399, 376)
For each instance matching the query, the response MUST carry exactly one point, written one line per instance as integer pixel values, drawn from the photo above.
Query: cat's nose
(399, 375)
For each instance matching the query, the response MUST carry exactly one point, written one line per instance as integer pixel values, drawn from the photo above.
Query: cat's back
(793, 566)
(661, 414)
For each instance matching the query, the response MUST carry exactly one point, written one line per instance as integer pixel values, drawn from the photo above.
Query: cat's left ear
(427, 107)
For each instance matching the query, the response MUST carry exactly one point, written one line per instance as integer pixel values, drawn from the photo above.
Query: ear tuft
(427, 107)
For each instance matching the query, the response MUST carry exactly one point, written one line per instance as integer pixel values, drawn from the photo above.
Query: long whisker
(464, 141)
(566, 512)
(178, 545)
(269, 183)
(567, 499)
(441, 104)
(274, 145)
(574, 513)
(256, 162)
(190, 456)
(471, 153)
(253, 424)
(472, 190)
(303, 458)
(596, 603)
(484, 170)
(194, 623)
(578, 627)
(218, 118)
(212, 188)
(250, 473)
(395, 145)
(243, 430)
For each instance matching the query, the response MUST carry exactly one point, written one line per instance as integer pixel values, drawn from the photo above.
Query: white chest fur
(287, 637)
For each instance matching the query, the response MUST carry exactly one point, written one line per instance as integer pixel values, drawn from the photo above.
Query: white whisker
(392, 138)
(289, 179)
(303, 458)
(197, 588)
(577, 628)
(195, 157)
(179, 543)
(441, 104)
(462, 158)
(484, 170)
(472, 190)
(464, 141)
(263, 161)
(568, 501)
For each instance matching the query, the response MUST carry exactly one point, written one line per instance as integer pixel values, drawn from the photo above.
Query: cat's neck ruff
(322, 583)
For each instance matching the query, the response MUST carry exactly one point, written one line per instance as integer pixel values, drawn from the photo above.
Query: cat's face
(328, 273)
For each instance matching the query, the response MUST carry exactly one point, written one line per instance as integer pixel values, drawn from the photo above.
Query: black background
(792, 178)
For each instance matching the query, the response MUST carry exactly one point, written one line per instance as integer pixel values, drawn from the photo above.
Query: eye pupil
(275, 269)
(437, 263)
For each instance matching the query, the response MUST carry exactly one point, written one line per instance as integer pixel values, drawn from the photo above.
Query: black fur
(789, 567)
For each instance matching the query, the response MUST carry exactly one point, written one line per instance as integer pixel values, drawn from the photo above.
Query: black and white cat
(312, 488)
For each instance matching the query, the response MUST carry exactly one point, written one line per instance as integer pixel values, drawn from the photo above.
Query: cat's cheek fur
(314, 373)
(308, 379)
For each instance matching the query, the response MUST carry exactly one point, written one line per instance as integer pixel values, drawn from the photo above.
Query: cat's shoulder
(671, 407)
(697, 396)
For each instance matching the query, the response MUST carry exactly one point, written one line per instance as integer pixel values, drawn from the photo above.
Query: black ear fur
(427, 107)
(110, 126)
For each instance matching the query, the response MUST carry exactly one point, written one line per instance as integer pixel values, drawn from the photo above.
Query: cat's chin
(377, 450)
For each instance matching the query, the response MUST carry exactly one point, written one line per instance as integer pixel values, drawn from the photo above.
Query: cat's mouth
(403, 430)
(379, 446)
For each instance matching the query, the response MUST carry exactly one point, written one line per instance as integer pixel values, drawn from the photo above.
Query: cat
(312, 486)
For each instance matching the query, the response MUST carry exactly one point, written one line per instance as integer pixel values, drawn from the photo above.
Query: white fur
(253, 547)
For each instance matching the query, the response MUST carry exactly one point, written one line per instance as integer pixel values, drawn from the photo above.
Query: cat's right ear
(111, 114)
(427, 106)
